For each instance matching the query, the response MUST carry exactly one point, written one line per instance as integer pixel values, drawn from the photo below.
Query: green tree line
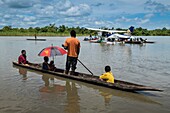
(53, 30)
(156, 32)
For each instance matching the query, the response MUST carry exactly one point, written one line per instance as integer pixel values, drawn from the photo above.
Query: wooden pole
(85, 66)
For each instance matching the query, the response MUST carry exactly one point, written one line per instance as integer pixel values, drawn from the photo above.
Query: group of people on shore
(72, 45)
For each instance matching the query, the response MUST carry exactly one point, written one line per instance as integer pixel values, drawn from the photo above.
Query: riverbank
(37, 34)
(48, 34)
(52, 30)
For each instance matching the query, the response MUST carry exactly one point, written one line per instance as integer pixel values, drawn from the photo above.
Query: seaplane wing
(109, 31)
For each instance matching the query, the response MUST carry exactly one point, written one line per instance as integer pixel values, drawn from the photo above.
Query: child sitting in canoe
(52, 66)
(45, 64)
(108, 76)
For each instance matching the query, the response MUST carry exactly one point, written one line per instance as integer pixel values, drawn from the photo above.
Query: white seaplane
(113, 35)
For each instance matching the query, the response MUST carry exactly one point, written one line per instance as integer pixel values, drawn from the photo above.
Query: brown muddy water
(26, 91)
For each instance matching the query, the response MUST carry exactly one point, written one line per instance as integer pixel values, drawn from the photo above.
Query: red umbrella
(52, 51)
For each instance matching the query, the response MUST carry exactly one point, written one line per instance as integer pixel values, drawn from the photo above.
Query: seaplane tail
(129, 31)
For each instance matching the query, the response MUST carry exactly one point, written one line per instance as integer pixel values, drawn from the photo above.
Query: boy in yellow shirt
(108, 76)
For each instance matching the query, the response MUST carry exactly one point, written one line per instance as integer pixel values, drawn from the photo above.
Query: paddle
(85, 66)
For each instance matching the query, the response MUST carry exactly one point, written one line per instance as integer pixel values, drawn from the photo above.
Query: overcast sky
(150, 14)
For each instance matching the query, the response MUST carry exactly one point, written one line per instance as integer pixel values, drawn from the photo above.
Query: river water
(25, 91)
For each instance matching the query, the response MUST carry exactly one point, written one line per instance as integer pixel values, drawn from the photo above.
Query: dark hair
(51, 62)
(23, 51)
(73, 33)
(107, 69)
(46, 59)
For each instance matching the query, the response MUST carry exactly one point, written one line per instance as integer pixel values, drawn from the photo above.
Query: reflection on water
(49, 85)
(23, 72)
(72, 91)
(73, 98)
(108, 94)
(107, 97)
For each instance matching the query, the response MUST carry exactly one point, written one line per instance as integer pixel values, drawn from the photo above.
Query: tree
(30, 29)
(6, 28)
(44, 29)
(52, 28)
(37, 29)
(164, 29)
(62, 28)
(22, 30)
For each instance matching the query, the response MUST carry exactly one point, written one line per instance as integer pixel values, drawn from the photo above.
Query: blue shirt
(45, 66)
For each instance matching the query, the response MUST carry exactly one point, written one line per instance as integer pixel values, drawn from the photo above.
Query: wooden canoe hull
(148, 42)
(37, 39)
(87, 78)
(133, 42)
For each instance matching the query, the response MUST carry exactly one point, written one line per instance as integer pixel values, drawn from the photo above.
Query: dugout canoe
(36, 39)
(149, 42)
(133, 42)
(87, 78)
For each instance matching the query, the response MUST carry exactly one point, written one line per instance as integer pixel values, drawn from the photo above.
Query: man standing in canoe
(72, 44)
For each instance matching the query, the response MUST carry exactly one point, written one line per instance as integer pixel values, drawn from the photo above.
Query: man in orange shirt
(72, 44)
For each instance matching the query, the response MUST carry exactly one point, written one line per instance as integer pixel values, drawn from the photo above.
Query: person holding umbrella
(72, 44)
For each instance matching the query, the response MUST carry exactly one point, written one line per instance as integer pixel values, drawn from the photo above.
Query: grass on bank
(37, 34)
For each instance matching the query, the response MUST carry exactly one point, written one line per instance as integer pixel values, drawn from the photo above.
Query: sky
(149, 14)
